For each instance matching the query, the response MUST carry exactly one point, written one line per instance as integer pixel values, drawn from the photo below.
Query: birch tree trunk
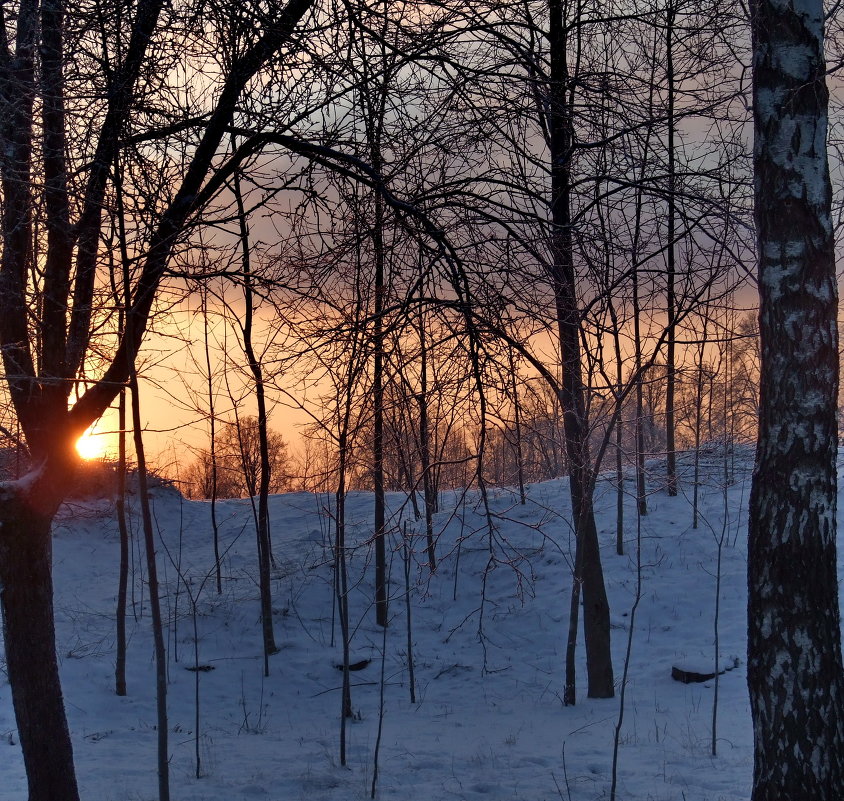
(794, 654)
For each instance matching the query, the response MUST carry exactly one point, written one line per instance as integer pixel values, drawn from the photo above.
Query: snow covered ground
(489, 631)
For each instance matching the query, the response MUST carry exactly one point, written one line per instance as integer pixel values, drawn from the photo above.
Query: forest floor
(489, 629)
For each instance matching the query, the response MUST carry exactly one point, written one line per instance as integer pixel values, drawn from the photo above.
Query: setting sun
(91, 445)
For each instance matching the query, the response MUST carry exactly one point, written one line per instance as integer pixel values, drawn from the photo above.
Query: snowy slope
(489, 631)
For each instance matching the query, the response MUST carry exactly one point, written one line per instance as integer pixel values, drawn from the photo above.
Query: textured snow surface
(488, 722)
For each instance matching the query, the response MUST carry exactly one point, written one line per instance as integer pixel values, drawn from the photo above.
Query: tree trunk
(154, 596)
(123, 574)
(381, 608)
(596, 617)
(671, 303)
(699, 387)
(794, 652)
(212, 441)
(341, 583)
(517, 420)
(264, 541)
(29, 635)
(425, 446)
(374, 110)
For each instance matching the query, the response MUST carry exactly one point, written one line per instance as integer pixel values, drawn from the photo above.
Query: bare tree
(47, 309)
(236, 466)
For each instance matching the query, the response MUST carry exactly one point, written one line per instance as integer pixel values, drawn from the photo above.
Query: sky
(174, 395)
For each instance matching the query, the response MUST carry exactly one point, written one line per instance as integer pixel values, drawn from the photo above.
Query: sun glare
(91, 446)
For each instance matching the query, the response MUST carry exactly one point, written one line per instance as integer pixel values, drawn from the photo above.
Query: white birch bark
(794, 655)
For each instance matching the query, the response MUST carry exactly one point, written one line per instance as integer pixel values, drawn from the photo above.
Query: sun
(91, 445)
